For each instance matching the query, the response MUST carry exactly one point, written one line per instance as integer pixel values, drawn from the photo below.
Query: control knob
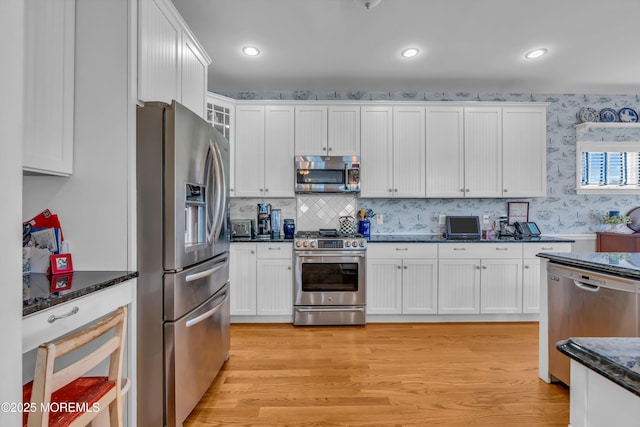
(313, 244)
(305, 244)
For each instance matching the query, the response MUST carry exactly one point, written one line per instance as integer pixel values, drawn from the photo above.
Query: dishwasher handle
(586, 286)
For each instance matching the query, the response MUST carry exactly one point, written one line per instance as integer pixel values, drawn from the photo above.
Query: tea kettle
(348, 225)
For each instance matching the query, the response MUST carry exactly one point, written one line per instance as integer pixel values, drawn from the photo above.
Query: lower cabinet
(261, 279)
(402, 278)
(480, 278)
(532, 273)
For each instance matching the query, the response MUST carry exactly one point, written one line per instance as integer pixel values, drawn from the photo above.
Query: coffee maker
(263, 224)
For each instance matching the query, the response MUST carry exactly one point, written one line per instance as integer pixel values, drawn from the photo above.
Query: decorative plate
(628, 115)
(608, 115)
(587, 114)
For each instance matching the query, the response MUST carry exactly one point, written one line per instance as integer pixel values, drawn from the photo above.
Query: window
(611, 167)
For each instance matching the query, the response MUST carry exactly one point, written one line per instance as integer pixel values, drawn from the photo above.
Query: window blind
(609, 168)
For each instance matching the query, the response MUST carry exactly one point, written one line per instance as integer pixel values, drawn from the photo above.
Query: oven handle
(306, 310)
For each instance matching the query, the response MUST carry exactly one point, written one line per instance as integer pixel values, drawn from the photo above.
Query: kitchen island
(605, 381)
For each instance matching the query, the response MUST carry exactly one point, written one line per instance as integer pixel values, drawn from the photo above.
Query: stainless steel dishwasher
(584, 303)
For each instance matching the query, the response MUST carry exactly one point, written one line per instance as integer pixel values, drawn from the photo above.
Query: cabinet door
(531, 285)
(242, 278)
(344, 130)
(376, 152)
(49, 86)
(445, 151)
(483, 151)
(459, 286)
(408, 152)
(419, 286)
(194, 64)
(311, 130)
(501, 286)
(249, 151)
(275, 287)
(384, 286)
(160, 35)
(278, 151)
(221, 115)
(524, 148)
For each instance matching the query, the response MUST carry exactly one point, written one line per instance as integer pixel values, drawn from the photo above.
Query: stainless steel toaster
(241, 228)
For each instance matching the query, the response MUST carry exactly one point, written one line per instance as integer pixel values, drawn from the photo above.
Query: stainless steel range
(329, 278)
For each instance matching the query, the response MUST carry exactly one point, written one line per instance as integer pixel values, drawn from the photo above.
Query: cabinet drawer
(402, 250)
(531, 249)
(37, 329)
(480, 250)
(274, 250)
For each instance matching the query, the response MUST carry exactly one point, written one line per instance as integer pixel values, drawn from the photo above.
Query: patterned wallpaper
(561, 212)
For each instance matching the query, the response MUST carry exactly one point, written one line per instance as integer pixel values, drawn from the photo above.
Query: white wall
(94, 203)
(11, 120)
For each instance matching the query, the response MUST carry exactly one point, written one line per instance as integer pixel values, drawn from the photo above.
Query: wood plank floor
(449, 374)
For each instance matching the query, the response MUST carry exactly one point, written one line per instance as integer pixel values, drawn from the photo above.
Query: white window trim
(604, 146)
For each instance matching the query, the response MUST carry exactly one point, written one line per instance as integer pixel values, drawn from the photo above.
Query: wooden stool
(66, 398)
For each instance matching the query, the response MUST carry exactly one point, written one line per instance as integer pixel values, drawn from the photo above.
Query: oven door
(329, 279)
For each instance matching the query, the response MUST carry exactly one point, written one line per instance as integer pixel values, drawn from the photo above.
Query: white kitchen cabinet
(393, 152)
(531, 273)
(49, 86)
(172, 65)
(264, 144)
(243, 278)
(402, 278)
(445, 151)
(221, 115)
(327, 130)
(483, 152)
(524, 151)
(261, 278)
(480, 278)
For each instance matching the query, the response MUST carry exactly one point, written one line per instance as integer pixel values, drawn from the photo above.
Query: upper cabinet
(264, 151)
(49, 86)
(478, 151)
(171, 64)
(393, 157)
(327, 131)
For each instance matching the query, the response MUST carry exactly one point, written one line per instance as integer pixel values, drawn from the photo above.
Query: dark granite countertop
(280, 240)
(617, 359)
(41, 291)
(437, 238)
(621, 264)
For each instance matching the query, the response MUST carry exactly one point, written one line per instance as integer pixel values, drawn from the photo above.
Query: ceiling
(465, 45)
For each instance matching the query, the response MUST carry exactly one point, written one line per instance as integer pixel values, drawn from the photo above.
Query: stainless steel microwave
(327, 174)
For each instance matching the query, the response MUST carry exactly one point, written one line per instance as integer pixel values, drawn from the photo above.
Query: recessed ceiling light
(536, 53)
(409, 52)
(251, 51)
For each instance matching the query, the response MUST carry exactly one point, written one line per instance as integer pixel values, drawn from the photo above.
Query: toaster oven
(241, 228)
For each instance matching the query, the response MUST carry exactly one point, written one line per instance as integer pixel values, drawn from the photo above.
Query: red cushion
(79, 394)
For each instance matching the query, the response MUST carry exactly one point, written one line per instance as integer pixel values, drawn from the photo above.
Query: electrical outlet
(379, 219)
(485, 218)
(442, 219)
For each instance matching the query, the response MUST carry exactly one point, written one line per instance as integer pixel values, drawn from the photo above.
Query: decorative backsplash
(561, 212)
(323, 211)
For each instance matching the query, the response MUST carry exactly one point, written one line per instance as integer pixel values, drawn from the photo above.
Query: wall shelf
(583, 128)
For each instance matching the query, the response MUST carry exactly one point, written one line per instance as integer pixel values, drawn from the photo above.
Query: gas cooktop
(328, 239)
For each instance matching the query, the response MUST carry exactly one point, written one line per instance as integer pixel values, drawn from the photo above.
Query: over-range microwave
(327, 174)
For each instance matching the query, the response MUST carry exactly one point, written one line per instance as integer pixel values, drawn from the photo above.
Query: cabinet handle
(462, 190)
(324, 148)
(502, 249)
(53, 318)
(274, 249)
(467, 190)
(477, 267)
(402, 249)
(391, 190)
(330, 149)
(399, 267)
(253, 252)
(546, 249)
(484, 267)
(405, 267)
(266, 190)
(526, 266)
(395, 190)
(506, 190)
(289, 268)
(261, 190)
(459, 249)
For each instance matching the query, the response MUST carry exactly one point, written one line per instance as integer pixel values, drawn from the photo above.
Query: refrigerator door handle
(209, 313)
(218, 181)
(222, 190)
(208, 272)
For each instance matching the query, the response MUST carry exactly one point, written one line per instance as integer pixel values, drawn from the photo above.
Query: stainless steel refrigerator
(183, 261)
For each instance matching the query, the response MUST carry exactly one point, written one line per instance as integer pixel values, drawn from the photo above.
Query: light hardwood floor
(408, 374)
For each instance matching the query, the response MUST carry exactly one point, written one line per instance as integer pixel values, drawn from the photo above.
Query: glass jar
(289, 228)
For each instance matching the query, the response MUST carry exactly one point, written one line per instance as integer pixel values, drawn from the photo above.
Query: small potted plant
(616, 223)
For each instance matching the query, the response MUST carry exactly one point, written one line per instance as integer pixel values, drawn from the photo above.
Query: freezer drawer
(196, 346)
(187, 289)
